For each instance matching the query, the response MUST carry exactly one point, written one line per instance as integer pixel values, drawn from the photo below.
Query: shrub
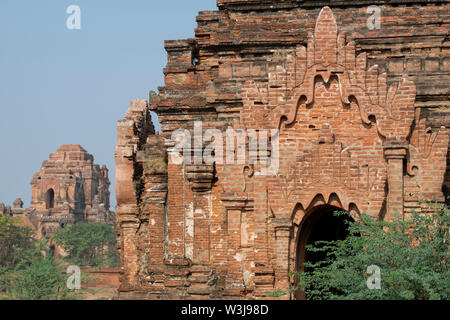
(15, 241)
(88, 244)
(37, 276)
(412, 255)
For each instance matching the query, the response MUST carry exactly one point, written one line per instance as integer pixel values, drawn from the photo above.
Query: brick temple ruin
(363, 118)
(69, 188)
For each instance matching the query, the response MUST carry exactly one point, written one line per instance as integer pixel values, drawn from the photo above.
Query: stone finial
(105, 171)
(18, 203)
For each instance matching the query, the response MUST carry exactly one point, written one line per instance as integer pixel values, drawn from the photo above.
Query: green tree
(41, 278)
(88, 244)
(37, 276)
(15, 241)
(27, 269)
(412, 255)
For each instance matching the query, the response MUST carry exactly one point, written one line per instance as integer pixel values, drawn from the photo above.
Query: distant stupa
(69, 188)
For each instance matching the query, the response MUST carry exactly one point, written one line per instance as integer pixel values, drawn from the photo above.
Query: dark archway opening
(320, 224)
(328, 227)
(52, 250)
(50, 199)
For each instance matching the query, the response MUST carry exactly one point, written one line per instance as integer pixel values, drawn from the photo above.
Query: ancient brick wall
(358, 117)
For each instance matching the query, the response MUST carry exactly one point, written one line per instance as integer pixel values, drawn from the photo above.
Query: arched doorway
(319, 224)
(50, 199)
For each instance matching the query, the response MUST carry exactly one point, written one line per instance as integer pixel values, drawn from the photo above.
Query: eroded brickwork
(362, 120)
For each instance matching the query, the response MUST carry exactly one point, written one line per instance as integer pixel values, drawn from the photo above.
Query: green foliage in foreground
(412, 255)
(37, 277)
(88, 244)
(28, 271)
(15, 240)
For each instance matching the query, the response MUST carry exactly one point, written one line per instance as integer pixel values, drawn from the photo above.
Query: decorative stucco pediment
(328, 85)
(328, 56)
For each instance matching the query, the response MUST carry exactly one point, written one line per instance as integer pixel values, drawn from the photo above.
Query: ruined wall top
(247, 5)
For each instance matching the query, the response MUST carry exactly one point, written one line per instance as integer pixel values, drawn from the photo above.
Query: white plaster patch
(247, 276)
(244, 234)
(190, 232)
(239, 257)
(190, 221)
(200, 212)
(153, 222)
(190, 252)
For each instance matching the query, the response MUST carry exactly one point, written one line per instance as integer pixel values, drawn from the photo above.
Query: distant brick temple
(69, 188)
(362, 115)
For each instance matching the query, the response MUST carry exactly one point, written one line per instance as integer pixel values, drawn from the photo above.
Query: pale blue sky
(60, 86)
